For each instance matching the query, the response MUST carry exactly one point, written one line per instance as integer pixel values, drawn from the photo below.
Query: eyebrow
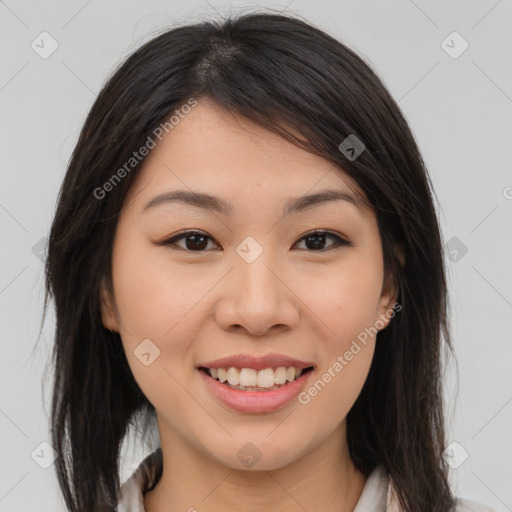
(217, 204)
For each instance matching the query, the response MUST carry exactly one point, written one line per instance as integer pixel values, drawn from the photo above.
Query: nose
(257, 298)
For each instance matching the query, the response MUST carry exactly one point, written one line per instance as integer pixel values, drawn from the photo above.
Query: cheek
(153, 300)
(345, 299)
(347, 305)
(152, 294)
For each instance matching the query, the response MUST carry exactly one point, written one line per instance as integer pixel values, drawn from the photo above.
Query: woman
(246, 251)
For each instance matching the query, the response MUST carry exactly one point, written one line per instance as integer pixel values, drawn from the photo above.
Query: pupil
(317, 245)
(200, 246)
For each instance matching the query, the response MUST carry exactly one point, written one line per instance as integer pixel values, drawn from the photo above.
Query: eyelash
(170, 242)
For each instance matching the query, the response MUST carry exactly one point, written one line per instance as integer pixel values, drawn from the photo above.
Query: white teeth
(281, 375)
(223, 374)
(266, 378)
(249, 377)
(233, 376)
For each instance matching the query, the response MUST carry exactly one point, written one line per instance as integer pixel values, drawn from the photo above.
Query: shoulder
(461, 504)
(465, 505)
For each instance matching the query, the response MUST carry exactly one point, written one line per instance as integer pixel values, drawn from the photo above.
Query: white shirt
(377, 496)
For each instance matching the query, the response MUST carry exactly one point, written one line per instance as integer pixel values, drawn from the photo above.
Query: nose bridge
(256, 297)
(256, 283)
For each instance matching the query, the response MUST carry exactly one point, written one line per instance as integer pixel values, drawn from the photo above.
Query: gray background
(458, 106)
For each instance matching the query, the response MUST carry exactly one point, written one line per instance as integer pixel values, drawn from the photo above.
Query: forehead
(215, 151)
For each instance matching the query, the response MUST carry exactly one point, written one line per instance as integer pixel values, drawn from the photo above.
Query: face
(249, 280)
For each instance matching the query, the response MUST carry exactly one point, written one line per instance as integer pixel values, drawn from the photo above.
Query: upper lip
(256, 362)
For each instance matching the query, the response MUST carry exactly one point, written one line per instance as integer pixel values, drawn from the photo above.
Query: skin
(294, 299)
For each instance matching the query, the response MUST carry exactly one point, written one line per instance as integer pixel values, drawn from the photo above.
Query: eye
(316, 240)
(197, 241)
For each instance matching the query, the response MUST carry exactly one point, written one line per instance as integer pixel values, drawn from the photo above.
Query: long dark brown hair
(287, 75)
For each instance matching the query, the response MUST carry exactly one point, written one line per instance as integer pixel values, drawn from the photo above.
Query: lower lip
(255, 401)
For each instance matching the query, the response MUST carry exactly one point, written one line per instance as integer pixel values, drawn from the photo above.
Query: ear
(389, 293)
(108, 310)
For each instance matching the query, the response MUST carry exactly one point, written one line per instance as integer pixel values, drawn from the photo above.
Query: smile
(264, 390)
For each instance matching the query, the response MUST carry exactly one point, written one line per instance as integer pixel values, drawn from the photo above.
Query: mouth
(251, 391)
(250, 379)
